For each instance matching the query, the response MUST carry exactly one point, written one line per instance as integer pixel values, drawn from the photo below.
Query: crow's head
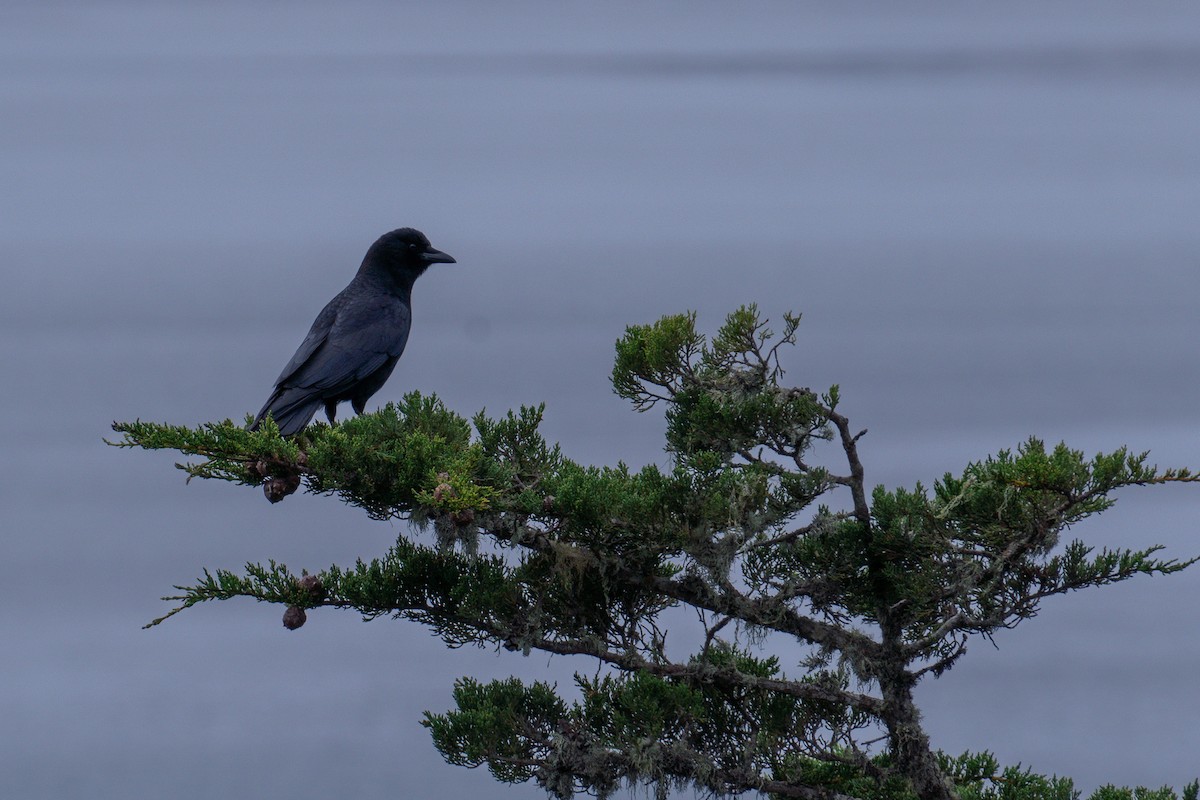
(405, 253)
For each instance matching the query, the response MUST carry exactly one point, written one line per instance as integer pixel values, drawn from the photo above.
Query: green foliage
(521, 731)
(652, 360)
(396, 455)
(232, 452)
(743, 529)
(642, 726)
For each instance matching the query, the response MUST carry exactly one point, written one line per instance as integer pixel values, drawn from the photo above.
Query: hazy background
(986, 212)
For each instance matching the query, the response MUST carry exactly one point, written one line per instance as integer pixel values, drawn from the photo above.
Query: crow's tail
(291, 408)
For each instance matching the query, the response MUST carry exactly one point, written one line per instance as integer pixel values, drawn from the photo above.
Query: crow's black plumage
(357, 339)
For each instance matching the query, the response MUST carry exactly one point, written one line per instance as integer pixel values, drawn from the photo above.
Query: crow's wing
(315, 338)
(351, 338)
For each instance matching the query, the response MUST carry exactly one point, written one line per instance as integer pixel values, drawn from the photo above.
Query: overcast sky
(987, 215)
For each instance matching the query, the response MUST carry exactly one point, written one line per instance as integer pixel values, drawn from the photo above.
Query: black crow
(357, 339)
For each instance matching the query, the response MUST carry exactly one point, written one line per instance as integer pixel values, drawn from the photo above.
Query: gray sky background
(986, 213)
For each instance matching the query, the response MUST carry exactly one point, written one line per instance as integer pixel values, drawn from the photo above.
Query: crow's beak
(432, 256)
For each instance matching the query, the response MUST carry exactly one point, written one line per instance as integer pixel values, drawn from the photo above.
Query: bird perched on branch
(357, 339)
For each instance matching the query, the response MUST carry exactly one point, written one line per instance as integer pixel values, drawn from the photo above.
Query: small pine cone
(278, 488)
(302, 459)
(294, 617)
(312, 584)
(274, 489)
(464, 517)
(548, 503)
(443, 491)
